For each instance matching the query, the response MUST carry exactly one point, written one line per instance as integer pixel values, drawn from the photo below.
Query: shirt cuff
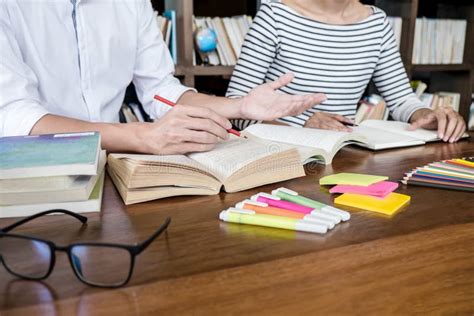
(404, 111)
(20, 118)
(159, 109)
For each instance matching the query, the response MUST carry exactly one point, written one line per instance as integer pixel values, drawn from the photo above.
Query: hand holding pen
(172, 104)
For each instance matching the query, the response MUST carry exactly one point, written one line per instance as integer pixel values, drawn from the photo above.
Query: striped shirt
(338, 60)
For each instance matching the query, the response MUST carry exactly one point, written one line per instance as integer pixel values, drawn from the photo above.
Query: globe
(206, 40)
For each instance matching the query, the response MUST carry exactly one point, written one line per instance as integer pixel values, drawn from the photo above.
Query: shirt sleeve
(391, 79)
(20, 106)
(154, 68)
(257, 55)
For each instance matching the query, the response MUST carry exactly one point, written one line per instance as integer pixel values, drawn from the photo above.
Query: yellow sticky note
(389, 205)
(351, 178)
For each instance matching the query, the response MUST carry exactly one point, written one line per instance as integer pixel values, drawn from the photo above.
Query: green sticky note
(351, 178)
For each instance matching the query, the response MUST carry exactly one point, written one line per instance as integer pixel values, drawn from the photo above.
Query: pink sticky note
(379, 189)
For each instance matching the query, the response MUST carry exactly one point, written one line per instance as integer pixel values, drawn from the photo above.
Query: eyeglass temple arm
(81, 218)
(143, 245)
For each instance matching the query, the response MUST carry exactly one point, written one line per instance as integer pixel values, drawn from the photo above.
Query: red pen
(172, 104)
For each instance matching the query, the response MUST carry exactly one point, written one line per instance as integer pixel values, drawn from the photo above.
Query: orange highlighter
(263, 208)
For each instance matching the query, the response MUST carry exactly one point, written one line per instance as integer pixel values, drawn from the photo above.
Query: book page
(231, 155)
(381, 139)
(326, 140)
(180, 160)
(401, 128)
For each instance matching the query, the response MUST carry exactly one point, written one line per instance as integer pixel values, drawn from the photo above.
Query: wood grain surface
(421, 261)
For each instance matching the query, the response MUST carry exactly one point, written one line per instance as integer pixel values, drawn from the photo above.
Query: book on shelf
(439, 41)
(237, 164)
(75, 188)
(133, 112)
(167, 26)
(49, 155)
(322, 145)
(230, 32)
(470, 124)
(372, 107)
(91, 204)
(441, 100)
(396, 23)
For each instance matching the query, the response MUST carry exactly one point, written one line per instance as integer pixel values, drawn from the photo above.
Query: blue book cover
(49, 155)
(171, 15)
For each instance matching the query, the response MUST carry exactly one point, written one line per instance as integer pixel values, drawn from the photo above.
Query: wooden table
(419, 261)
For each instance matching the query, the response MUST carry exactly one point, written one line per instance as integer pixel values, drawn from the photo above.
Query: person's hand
(184, 129)
(266, 104)
(450, 124)
(329, 121)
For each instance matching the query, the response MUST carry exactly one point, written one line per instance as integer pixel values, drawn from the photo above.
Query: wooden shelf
(205, 70)
(441, 67)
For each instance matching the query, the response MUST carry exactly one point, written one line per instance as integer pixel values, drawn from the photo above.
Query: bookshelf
(447, 77)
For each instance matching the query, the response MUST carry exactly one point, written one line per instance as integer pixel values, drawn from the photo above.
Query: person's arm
(20, 104)
(249, 79)
(257, 54)
(22, 113)
(391, 80)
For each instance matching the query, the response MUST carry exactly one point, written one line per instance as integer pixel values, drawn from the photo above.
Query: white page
(231, 155)
(401, 129)
(383, 139)
(309, 137)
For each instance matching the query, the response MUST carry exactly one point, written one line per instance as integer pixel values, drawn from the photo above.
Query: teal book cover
(23, 153)
(171, 15)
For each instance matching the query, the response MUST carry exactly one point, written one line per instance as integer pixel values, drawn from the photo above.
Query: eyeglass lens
(100, 265)
(26, 257)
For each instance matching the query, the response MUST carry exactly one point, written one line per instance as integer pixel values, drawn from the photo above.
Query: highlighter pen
(249, 217)
(263, 208)
(292, 196)
(275, 201)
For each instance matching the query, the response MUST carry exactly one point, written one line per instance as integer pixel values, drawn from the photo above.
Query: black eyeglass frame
(133, 250)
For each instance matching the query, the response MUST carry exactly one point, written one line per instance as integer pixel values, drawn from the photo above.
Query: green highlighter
(292, 196)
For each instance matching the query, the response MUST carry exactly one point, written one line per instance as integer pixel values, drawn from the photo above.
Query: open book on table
(237, 164)
(322, 145)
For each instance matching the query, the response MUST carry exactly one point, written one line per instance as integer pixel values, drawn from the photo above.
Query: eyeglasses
(95, 264)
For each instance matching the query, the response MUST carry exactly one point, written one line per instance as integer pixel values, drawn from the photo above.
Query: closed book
(91, 204)
(49, 155)
(80, 189)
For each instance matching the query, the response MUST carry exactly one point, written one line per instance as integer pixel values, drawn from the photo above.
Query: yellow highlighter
(249, 217)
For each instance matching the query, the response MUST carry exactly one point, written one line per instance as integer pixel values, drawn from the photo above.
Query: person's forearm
(115, 137)
(229, 108)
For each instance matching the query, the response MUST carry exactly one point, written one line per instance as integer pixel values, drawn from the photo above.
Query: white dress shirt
(75, 58)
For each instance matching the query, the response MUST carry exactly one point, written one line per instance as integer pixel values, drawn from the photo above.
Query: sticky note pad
(380, 189)
(351, 178)
(388, 206)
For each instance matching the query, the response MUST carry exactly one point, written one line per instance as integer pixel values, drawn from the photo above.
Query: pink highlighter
(275, 201)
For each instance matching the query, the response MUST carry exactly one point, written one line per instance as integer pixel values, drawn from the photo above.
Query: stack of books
(230, 33)
(455, 174)
(61, 171)
(439, 41)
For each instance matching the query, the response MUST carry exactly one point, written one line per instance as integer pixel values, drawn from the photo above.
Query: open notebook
(322, 145)
(236, 164)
